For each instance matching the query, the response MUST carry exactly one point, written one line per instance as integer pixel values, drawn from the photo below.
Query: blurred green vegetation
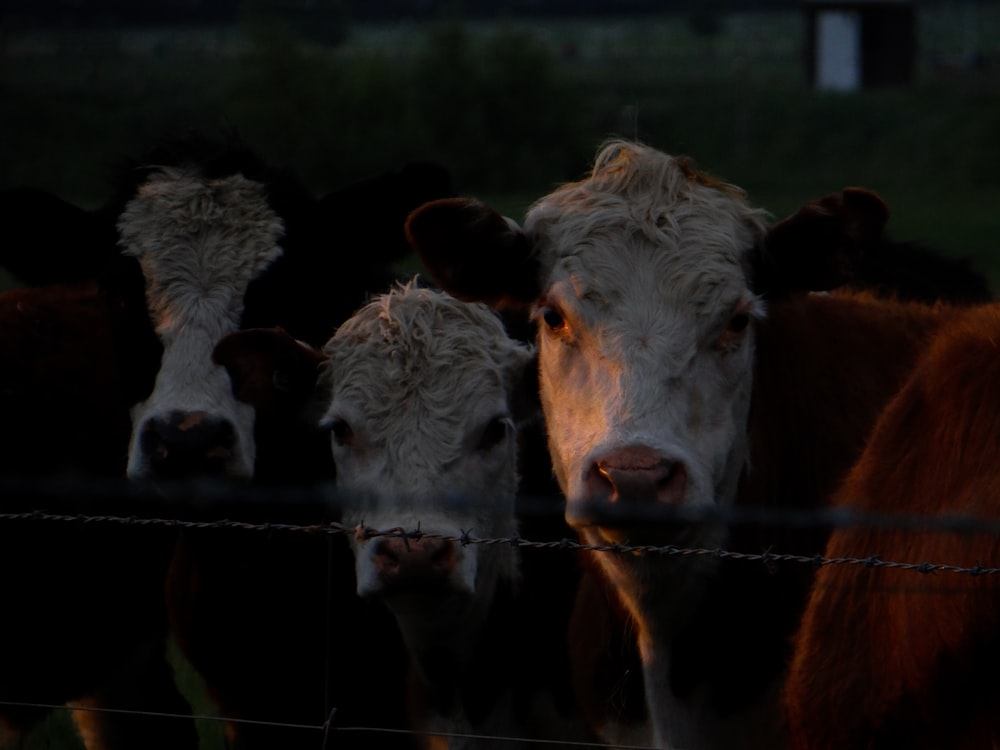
(515, 107)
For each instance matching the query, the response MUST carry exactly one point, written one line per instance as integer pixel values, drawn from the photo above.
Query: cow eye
(340, 430)
(493, 434)
(553, 319)
(735, 329)
(739, 322)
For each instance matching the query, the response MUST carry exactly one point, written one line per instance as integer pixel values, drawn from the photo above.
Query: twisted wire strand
(362, 531)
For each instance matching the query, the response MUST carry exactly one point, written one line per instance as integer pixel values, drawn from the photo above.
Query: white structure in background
(856, 44)
(838, 50)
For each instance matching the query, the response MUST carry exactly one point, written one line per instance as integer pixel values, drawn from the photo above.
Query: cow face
(421, 415)
(199, 242)
(645, 336)
(644, 306)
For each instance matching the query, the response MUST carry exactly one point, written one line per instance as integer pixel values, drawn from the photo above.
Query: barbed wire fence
(205, 504)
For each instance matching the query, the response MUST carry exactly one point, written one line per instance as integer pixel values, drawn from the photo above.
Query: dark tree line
(96, 13)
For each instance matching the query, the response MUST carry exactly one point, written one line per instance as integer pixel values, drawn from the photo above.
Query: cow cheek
(724, 428)
(575, 397)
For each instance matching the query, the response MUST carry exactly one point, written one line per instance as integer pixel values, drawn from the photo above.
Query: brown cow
(668, 380)
(892, 658)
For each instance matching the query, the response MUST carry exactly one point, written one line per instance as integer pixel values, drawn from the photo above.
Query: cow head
(420, 395)
(423, 393)
(641, 285)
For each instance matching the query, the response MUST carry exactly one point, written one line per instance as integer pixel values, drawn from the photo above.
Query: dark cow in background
(892, 658)
(211, 239)
(668, 381)
(839, 241)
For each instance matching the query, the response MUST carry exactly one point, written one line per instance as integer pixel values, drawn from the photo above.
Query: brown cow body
(890, 658)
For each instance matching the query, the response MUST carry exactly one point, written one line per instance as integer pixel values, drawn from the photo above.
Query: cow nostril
(671, 487)
(600, 485)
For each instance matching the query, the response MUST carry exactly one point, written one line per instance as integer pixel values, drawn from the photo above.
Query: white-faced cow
(421, 397)
(668, 382)
(891, 657)
(209, 239)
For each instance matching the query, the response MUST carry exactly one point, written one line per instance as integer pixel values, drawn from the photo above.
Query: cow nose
(428, 559)
(636, 474)
(187, 443)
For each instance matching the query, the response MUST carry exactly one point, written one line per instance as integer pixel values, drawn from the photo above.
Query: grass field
(547, 93)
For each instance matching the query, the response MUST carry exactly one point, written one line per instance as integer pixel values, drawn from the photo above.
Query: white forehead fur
(419, 363)
(691, 225)
(200, 243)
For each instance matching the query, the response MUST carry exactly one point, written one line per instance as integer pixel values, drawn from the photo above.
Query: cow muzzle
(636, 475)
(185, 444)
(403, 564)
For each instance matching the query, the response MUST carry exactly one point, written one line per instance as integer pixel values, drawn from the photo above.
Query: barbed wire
(53, 500)
(362, 531)
(328, 728)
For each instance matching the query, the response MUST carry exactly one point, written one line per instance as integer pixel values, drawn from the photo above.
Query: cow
(670, 381)
(892, 657)
(210, 238)
(849, 248)
(421, 395)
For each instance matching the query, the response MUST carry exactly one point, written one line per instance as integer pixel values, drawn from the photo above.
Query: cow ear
(269, 369)
(48, 240)
(820, 246)
(474, 253)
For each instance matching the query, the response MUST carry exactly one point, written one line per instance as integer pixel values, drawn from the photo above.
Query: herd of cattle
(647, 340)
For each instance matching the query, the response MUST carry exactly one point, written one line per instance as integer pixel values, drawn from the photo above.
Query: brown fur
(891, 658)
